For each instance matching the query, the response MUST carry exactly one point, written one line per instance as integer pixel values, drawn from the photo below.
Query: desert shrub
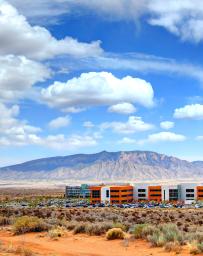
(137, 230)
(195, 248)
(165, 233)
(53, 222)
(24, 251)
(115, 233)
(148, 230)
(97, 229)
(120, 225)
(70, 225)
(172, 247)
(171, 233)
(200, 247)
(28, 224)
(142, 230)
(196, 236)
(57, 232)
(157, 239)
(20, 250)
(5, 221)
(80, 228)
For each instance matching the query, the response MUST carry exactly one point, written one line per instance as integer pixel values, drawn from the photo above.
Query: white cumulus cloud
(167, 125)
(183, 18)
(96, 89)
(193, 111)
(18, 75)
(18, 37)
(60, 122)
(133, 125)
(127, 140)
(122, 108)
(164, 137)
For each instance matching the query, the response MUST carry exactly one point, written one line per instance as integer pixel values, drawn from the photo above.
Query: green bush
(165, 233)
(200, 247)
(27, 224)
(157, 239)
(115, 233)
(171, 233)
(137, 230)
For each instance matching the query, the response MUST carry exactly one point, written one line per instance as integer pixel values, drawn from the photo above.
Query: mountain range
(105, 166)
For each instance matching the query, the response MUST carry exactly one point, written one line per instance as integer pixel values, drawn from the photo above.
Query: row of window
(141, 195)
(125, 190)
(190, 195)
(190, 190)
(173, 193)
(141, 190)
(116, 196)
(155, 195)
(155, 190)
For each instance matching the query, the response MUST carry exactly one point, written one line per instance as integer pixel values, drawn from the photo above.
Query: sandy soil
(82, 245)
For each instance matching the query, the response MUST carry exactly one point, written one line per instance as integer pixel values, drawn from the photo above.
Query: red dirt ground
(82, 245)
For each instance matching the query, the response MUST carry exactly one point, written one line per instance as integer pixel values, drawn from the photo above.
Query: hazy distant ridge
(106, 166)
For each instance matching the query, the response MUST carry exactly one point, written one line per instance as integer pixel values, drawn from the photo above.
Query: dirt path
(82, 245)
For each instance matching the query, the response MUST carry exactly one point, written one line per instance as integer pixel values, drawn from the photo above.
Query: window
(190, 196)
(127, 195)
(95, 193)
(155, 190)
(141, 190)
(200, 196)
(173, 194)
(114, 190)
(114, 196)
(155, 195)
(141, 195)
(107, 193)
(200, 190)
(190, 190)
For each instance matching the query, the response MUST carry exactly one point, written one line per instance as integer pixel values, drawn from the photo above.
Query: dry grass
(196, 247)
(27, 224)
(115, 233)
(173, 247)
(20, 250)
(56, 233)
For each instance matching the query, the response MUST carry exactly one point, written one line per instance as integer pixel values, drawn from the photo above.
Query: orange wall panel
(154, 193)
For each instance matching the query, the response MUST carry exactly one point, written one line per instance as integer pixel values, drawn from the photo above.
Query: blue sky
(84, 76)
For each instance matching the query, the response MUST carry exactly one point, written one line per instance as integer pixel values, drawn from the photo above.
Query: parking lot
(77, 203)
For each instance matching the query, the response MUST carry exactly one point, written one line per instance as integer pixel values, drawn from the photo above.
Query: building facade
(82, 191)
(184, 192)
(112, 194)
(120, 194)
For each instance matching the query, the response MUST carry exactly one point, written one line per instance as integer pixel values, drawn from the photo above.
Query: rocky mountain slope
(126, 166)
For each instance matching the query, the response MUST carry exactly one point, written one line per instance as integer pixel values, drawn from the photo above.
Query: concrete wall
(136, 189)
(105, 199)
